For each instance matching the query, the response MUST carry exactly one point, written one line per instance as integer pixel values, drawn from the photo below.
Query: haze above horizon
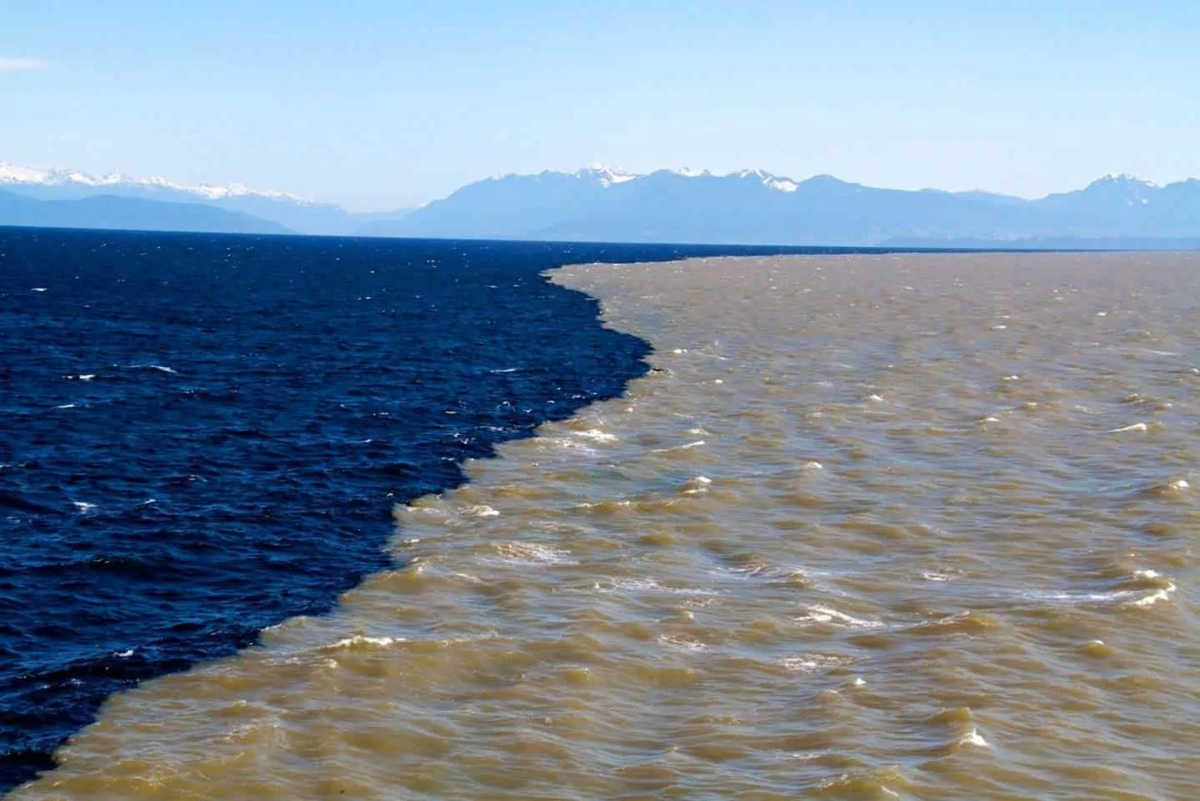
(378, 105)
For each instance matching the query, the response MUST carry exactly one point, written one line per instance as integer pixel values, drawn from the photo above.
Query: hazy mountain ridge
(608, 204)
(127, 213)
(755, 207)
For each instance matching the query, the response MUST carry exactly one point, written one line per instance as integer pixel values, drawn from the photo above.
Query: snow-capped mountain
(294, 213)
(32, 176)
(603, 203)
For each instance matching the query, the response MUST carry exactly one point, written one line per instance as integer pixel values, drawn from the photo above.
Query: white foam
(480, 510)
(83, 506)
(38, 289)
(973, 737)
(931, 575)
(811, 663)
(1154, 597)
(66, 406)
(597, 435)
(825, 614)
(682, 643)
(532, 553)
(361, 640)
(1134, 427)
(86, 376)
(626, 586)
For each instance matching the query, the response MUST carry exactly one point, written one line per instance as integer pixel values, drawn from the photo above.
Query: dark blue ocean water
(202, 435)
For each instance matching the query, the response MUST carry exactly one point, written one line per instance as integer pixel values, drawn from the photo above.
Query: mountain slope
(111, 212)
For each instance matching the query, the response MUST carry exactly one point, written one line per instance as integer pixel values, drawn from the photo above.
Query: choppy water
(873, 527)
(201, 436)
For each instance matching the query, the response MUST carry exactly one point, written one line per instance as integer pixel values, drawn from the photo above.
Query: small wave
(814, 663)
(480, 510)
(825, 614)
(973, 737)
(596, 435)
(159, 367)
(682, 643)
(361, 642)
(1134, 427)
(629, 586)
(531, 553)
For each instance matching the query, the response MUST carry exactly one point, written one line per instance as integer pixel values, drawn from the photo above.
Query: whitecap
(361, 641)
(1154, 597)
(682, 643)
(480, 510)
(825, 614)
(530, 553)
(811, 663)
(973, 737)
(597, 435)
(1134, 427)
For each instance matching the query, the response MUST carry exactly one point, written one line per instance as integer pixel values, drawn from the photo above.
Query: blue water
(203, 435)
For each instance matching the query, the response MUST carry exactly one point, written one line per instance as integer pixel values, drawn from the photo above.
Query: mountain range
(606, 204)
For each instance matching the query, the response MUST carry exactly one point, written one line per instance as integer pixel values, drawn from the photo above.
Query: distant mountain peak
(608, 175)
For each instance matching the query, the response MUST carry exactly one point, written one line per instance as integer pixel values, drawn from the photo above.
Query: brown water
(913, 526)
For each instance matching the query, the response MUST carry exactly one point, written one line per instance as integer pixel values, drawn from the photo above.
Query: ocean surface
(201, 436)
(869, 527)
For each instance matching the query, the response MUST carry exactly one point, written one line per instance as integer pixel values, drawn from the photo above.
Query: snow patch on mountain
(17, 174)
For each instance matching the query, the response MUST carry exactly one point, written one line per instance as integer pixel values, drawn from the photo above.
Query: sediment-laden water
(911, 526)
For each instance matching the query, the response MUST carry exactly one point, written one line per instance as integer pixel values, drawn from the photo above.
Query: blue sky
(379, 104)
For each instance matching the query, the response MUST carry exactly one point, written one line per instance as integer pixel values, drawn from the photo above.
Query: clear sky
(386, 103)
